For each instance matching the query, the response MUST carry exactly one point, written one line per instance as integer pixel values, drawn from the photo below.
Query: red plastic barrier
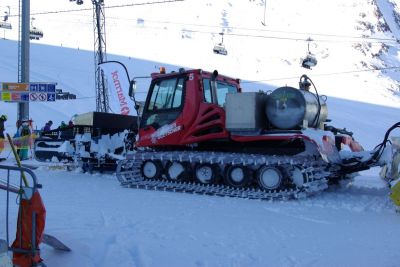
(24, 230)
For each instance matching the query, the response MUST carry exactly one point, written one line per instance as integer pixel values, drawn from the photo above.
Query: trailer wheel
(269, 178)
(152, 169)
(237, 176)
(206, 173)
(177, 171)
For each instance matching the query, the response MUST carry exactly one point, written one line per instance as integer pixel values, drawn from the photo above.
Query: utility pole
(23, 53)
(102, 104)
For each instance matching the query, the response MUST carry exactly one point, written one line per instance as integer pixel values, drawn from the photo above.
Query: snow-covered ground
(107, 225)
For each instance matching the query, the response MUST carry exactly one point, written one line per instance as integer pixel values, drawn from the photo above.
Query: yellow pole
(17, 159)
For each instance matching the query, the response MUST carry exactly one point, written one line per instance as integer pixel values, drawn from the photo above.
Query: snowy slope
(107, 225)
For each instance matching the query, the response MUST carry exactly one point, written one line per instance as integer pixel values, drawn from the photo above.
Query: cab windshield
(165, 102)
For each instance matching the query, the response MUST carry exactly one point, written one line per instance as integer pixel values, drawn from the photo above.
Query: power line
(268, 36)
(226, 28)
(288, 78)
(324, 74)
(259, 30)
(109, 7)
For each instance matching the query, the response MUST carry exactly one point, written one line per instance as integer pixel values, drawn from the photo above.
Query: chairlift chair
(5, 25)
(79, 2)
(309, 62)
(35, 34)
(220, 48)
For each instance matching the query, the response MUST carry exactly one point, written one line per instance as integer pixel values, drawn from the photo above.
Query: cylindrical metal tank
(287, 108)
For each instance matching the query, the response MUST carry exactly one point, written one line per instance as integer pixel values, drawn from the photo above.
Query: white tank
(287, 107)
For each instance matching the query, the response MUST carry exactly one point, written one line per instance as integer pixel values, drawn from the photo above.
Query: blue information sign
(34, 88)
(51, 97)
(25, 97)
(51, 88)
(25, 92)
(43, 88)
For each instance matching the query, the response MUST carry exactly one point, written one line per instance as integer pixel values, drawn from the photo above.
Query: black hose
(375, 157)
(381, 147)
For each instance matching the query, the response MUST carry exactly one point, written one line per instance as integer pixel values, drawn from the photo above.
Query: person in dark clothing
(24, 133)
(62, 125)
(47, 126)
(3, 118)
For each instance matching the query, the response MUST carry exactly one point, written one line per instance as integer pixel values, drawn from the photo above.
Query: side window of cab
(222, 88)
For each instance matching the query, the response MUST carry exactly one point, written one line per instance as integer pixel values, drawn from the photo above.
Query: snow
(108, 225)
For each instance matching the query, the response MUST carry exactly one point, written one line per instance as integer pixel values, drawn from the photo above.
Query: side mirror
(132, 88)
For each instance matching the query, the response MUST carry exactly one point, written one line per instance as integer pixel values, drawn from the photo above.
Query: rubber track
(128, 174)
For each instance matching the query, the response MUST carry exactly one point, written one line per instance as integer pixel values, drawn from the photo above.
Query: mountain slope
(183, 34)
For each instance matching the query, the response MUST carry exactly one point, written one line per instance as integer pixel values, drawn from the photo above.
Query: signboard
(5, 96)
(25, 92)
(21, 87)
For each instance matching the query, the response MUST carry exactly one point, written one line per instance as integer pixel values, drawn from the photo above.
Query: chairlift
(4, 24)
(310, 60)
(79, 2)
(35, 33)
(220, 48)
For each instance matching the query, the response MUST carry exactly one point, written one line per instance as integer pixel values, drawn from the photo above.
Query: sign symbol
(42, 97)
(33, 97)
(51, 97)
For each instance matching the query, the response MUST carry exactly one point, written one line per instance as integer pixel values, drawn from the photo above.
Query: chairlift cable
(204, 25)
(261, 30)
(323, 74)
(108, 7)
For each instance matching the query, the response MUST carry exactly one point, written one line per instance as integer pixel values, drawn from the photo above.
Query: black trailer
(48, 146)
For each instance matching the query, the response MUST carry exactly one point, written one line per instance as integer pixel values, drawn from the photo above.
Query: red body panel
(198, 121)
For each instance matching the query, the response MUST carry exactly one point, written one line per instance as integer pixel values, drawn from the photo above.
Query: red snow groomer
(199, 133)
